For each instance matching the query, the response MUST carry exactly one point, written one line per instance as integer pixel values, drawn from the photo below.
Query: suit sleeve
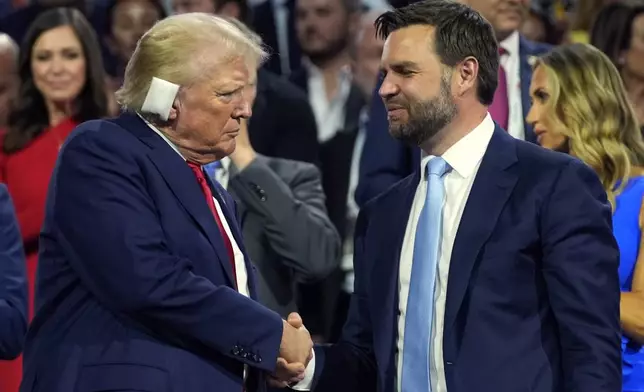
(13, 282)
(350, 364)
(384, 160)
(295, 219)
(580, 264)
(107, 224)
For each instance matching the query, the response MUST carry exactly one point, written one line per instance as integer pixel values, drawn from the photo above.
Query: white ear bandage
(160, 98)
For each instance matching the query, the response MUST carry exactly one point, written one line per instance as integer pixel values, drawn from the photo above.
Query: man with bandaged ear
(144, 282)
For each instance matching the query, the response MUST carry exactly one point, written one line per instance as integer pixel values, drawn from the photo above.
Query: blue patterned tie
(420, 305)
(211, 169)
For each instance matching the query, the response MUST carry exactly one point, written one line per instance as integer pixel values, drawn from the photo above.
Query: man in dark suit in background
(283, 124)
(144, 282)
(13, 283)
(493, 267)
(386, 161)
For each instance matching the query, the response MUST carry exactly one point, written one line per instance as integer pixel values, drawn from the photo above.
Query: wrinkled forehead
(232, 73)
(413, 44)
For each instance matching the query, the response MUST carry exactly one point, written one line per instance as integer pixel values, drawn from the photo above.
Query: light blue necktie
(420, 305)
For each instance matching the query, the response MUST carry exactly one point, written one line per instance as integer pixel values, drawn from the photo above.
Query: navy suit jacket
(533, 288)
(135, 287)
(385, 161)
(13, 282)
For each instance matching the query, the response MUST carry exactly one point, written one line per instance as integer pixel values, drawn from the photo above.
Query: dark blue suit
(13, 283)
(385, 161)
(134, 281)
(533, 290)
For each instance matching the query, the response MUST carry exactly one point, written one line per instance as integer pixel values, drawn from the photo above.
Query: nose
(531, 118)
(387, 88)
(57, 65)
(243, 110)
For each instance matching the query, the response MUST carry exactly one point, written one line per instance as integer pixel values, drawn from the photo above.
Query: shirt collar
(511, 44)
(164, 137)
(464, 156)
(314, 70)
(225, 162)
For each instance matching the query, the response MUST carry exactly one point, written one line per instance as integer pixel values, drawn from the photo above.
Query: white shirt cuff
(305, 384)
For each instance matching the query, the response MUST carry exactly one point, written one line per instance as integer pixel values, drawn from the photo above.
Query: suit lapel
(386, 270)
(492, 187)
(183, 184)
(227, 208)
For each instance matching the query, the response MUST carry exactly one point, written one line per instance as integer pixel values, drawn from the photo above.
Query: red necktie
(201, 178)
(500, 109)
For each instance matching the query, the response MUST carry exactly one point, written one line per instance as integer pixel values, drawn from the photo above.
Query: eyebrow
(401, 66)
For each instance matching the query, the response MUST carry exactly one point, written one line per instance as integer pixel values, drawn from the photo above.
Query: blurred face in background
(633, 58)
(506, 16)
(366, 57)
(58, 65)
(323, 27)
(8, 82)
(130, 20)
(185, 6)
(540, 114)
(533, 28)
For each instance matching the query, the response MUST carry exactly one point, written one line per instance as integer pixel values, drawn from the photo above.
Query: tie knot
(196, 169)
(502, 51)
(211, 168)
(437, 166)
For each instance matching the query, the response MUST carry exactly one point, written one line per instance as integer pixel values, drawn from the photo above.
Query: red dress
(27, 173)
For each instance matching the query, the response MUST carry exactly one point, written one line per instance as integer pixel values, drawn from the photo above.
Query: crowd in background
(316, 103)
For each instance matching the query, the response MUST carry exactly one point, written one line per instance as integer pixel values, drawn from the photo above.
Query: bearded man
(493, 267)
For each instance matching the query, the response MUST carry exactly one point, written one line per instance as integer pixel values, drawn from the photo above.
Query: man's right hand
(296, 346)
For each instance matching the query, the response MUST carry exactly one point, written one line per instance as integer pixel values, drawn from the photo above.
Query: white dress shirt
(464, 158)
(222, 174)
(511, 63)
(240, 265)
(329, 113)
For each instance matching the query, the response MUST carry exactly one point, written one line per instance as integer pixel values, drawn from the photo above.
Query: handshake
(296, 350)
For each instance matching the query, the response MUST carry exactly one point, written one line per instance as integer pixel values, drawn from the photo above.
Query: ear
(174, 110)
(466, 74)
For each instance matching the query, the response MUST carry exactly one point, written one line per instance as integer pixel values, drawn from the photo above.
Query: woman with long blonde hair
(580, 107)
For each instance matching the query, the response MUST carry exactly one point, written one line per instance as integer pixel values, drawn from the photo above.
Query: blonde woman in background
(580, 107)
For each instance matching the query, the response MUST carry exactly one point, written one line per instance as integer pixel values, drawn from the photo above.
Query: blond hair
(245, 29)
(589, 106)
(182, 49)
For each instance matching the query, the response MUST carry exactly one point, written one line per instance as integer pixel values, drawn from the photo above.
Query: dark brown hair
(460, 32)
(612, 29)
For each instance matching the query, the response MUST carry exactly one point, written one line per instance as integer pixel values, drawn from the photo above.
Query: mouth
(514, 12)
(58, 84)
(395, 111)
(539, 132)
